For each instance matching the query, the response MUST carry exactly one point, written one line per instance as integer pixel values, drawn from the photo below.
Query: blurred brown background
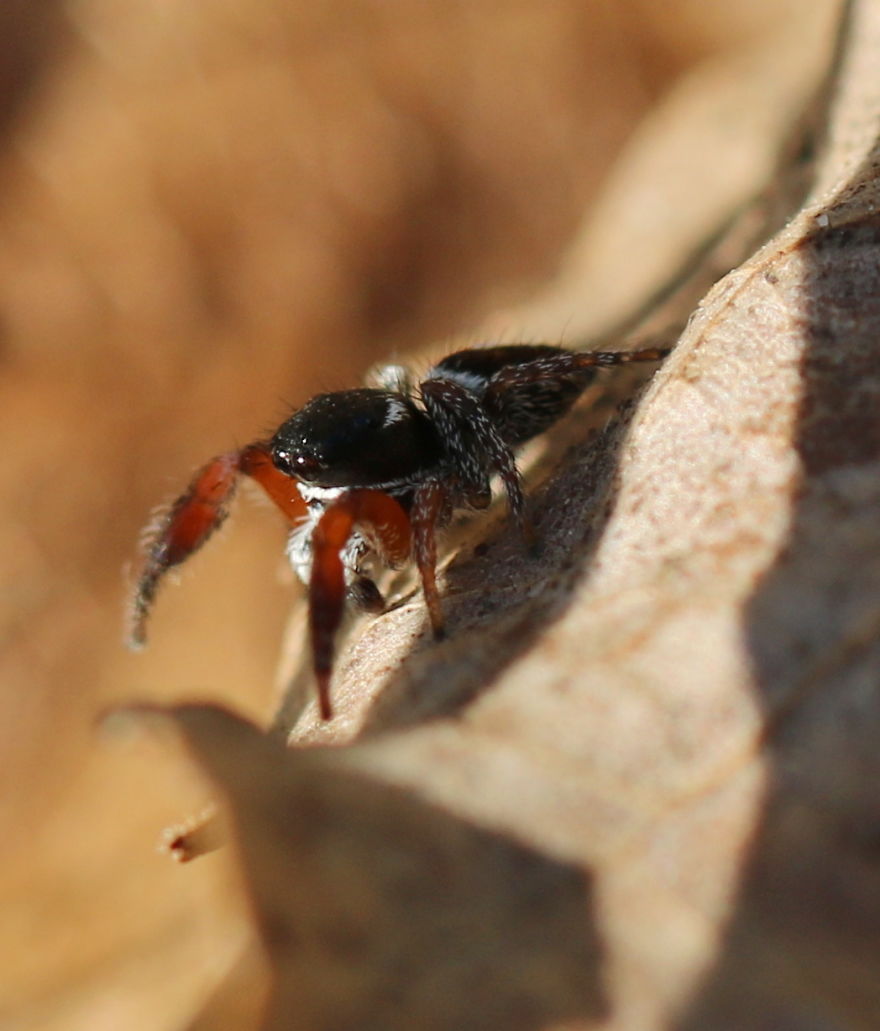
(208, 212)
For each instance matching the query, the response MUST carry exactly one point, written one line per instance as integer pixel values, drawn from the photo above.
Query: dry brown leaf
(206, 209)
(667, 725)
(568, 737)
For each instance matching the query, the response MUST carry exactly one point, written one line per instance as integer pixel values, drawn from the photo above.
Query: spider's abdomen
(357, 438)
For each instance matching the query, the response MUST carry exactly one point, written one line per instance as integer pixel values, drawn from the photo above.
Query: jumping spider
(374, 472)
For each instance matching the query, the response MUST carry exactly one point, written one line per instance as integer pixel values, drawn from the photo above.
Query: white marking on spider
(397, 412)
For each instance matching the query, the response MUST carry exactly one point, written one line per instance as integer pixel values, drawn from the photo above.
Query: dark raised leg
(473, 441)
(527, 398)
(427, 510)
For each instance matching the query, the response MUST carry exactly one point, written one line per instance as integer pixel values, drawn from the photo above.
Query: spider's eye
(300, 466)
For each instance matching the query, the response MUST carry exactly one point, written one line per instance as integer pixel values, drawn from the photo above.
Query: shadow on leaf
(378, 909)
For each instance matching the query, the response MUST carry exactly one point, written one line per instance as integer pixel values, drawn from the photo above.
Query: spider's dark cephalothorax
(370, 475)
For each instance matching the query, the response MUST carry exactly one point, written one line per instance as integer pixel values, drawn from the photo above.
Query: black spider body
(458, 425)
(371, 474)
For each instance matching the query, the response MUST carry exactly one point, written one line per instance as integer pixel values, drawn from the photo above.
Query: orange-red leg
(256, 462)
(385, 522)
(198, 512)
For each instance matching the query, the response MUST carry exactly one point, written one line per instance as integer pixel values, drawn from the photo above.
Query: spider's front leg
(395, 535)
(197, 513)
(385, 522)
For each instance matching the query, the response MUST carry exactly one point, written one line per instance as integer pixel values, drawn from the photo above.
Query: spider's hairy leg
(606, 358)
(473, 443)
(544, 362)
(190, 521)
(557, 363)
(526, 398)
(428, 509)
(381, 517)
(197, 513)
